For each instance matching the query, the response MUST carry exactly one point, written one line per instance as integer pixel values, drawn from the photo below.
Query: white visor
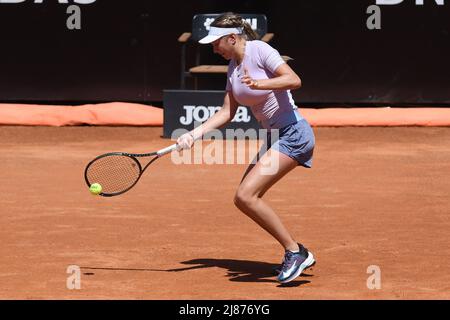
(216, 33)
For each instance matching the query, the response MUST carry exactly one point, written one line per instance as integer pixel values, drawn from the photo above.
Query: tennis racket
(118, 172)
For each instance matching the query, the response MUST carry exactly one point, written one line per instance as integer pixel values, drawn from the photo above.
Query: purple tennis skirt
(296, 141)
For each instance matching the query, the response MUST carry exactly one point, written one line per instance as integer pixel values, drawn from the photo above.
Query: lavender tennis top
(272, 108)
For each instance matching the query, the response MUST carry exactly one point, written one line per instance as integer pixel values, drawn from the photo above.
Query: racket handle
(167, 150)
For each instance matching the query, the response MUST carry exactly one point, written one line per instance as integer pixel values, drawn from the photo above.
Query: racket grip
(167, 150)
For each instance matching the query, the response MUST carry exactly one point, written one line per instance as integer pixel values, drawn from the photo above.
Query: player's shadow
(237, 270)
(242, 270)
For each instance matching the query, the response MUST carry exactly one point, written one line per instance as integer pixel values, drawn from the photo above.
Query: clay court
(375, 196)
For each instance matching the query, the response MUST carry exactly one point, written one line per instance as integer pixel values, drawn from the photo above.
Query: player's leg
(297, 142)
(271, 167)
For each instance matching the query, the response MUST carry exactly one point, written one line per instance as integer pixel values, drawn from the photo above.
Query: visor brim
(209, 39)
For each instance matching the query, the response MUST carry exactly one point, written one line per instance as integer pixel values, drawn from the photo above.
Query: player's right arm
(220, 118)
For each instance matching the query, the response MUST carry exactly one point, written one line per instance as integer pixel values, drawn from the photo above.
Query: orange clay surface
(375, 196)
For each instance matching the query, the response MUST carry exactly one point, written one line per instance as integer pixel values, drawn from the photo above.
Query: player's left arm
(284, 79)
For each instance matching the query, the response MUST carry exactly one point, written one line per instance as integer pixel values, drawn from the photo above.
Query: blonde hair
(233, 20)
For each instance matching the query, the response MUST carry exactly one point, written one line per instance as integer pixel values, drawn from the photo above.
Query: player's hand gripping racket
(118, 172)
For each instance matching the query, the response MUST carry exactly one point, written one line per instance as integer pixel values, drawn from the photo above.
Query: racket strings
(115, 173)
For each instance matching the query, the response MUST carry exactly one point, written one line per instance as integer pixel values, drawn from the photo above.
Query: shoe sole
(309, 262)
(277, 270)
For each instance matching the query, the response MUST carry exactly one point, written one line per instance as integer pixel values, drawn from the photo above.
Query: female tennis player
(259, 78)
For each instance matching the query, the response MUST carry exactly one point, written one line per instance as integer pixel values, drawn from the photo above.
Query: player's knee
(237, 200)
(243, 198)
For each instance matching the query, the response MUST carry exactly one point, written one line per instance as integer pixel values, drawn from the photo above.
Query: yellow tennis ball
(95, 188)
